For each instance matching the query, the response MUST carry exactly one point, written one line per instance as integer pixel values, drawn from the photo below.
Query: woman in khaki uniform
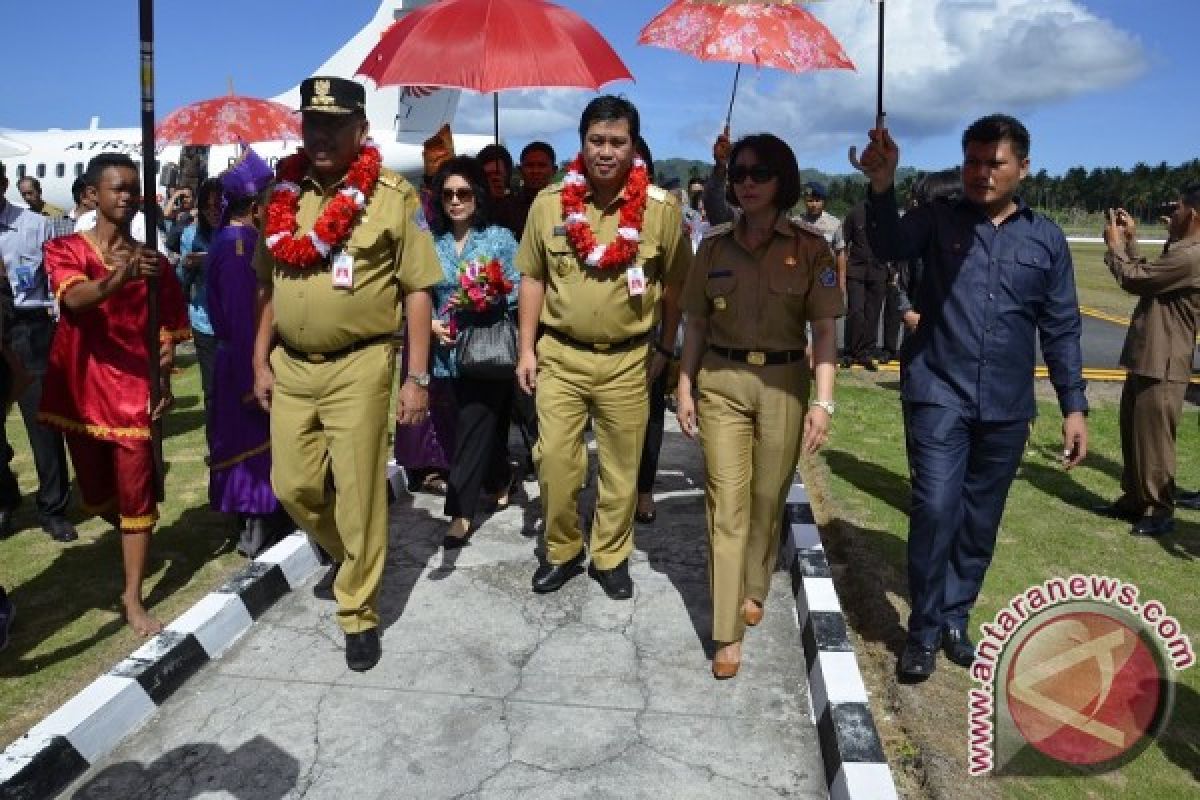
(756, 284)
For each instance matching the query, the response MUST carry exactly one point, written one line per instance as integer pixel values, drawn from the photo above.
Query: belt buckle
(601, 346)
(756, 358)
(315, 358)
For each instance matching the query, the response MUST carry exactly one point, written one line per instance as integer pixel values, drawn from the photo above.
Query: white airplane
(401, 119)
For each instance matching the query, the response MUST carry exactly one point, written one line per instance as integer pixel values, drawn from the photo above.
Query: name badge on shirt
(343, 270)
(636, 278)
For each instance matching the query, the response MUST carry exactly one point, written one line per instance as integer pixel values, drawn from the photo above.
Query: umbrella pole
(879, 80)
(496, 115)
(150, 210)
(733, 96)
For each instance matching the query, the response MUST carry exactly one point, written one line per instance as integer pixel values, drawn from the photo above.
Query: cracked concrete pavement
(489, 691)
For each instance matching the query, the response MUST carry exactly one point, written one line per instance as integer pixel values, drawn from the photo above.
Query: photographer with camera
(1158, 356)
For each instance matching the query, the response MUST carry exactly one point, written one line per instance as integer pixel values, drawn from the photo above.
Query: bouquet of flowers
(481, 287)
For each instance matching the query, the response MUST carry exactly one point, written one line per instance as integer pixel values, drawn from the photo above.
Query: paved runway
(489, 691)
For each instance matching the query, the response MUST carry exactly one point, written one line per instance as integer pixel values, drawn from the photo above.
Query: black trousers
(961, 470)
(32, 333)
(648, 467)
(480, 446)
(893, 320)
(864, 302)
(524, 416)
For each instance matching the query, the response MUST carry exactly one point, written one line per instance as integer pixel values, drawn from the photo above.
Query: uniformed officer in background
(1158, 355)
(603, 258)
(323, 361)
(755, 284)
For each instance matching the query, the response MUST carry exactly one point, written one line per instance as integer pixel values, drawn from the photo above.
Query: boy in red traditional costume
(97, 386)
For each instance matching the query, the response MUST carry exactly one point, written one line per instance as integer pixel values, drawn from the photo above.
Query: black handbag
(486, 348)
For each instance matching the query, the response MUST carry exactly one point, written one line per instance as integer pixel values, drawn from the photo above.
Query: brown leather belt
(333, 355)
(759, 358)
(600, 347)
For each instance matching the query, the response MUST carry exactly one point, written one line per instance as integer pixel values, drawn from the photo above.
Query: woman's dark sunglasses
(759, 173)
(461, 195)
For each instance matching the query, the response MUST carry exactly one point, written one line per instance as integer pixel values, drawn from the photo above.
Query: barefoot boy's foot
(140, 620)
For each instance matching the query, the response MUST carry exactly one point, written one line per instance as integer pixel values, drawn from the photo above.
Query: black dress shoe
(616, 581)
(363, 650)
(60, 529)
(1153, 525)
(845, 362)
(1115, 511)
(551, 577)
(1188, 500)
(324, 587)
(868, 364)
(917, 663)
(646, 517)
(958, 647)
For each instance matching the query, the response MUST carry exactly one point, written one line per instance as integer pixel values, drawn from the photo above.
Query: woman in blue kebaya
(479, 285)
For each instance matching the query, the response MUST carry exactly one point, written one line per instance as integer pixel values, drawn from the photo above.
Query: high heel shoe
(457, 535)
(752, 612)
(727, 660)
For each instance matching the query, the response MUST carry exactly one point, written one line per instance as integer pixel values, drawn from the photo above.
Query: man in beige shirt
(323, 358)
(1158, 355)
(596, 310)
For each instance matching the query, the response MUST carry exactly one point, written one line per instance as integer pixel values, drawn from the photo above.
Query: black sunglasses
(461, 195)
(759, 173)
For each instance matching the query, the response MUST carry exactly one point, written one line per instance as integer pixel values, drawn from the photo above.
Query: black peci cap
(332, 96)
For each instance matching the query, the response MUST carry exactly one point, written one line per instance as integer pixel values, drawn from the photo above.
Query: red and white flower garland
(336, 222)
(623, 249)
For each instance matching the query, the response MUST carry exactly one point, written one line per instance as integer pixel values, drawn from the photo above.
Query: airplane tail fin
(407, 113)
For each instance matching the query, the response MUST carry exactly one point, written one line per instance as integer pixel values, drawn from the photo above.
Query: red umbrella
(488, 45)
(228, 120)
(764, 33)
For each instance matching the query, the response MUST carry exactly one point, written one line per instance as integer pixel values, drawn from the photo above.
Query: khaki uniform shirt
(392, 257)
(762, 300)
(594, 305)
(52, 211)
(1162, 332)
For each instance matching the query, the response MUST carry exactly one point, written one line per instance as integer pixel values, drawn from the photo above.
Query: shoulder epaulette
(658, 193)
(718, 230)
(391, 179)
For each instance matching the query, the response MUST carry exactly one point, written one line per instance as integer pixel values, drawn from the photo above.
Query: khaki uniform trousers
(572, 383)
(751, 427)
(1149, 419)
(329, 426)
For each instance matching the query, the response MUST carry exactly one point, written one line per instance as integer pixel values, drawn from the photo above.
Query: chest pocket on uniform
(719, 288)
(1030, 273)
(561, 260)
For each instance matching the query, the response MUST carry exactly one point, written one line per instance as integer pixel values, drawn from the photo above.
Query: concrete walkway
(486, 690)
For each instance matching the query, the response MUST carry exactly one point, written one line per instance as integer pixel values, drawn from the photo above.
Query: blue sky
(1099, 82)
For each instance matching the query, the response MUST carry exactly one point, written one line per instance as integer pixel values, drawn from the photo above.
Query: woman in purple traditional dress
(240, 431)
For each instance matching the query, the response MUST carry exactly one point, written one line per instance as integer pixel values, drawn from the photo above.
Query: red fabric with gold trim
(98, 382)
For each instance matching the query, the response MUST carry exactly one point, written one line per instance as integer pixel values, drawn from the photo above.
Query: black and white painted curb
(855, 766)
(65, 744)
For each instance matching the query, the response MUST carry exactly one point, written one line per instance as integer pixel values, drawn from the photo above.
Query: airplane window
(60, 170)
(41, 171)
(78, 169)
(20, 171)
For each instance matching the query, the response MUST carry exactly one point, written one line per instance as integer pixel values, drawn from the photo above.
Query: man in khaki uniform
(594, 355)
(323, 357)
(1158, 356)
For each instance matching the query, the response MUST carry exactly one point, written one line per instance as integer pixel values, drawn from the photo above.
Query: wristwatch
(828, 405)
(420, 379)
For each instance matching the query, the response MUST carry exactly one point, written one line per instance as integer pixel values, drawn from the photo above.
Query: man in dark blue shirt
(996, 277)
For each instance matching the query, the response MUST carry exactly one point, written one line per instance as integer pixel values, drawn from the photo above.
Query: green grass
(1096, 286)
(1046, 531)
(69, 628)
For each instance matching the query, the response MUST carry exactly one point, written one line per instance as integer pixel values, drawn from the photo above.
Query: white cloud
(947, 61)
(524, 114)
